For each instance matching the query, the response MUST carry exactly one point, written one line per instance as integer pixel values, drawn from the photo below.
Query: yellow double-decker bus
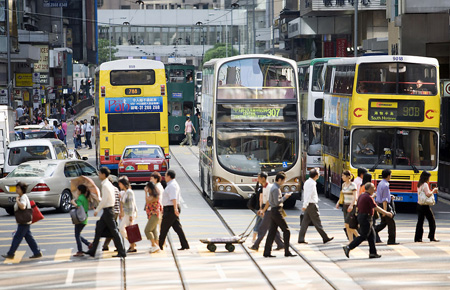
(130, 106)
(382, 112)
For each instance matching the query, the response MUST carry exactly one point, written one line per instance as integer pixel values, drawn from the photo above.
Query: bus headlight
(293, 188)
(221, 187)
(286, 188)
(228, 188)
(176, 127)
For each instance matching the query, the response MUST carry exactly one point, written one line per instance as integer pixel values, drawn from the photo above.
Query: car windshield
(252, 150)
(395, 148)
(18, 155)
(33, 170)
(146, 152)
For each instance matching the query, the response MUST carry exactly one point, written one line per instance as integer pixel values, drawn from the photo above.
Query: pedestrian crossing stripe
(17, 258)
(63, 255)
(444, 248)
(358, 253)
(404, 251)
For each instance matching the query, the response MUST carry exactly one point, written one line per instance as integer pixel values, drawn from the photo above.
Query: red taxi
(139, 161)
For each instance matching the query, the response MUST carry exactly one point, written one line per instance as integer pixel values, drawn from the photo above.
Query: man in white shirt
(171, 212)
(311, 209)
(107, 222)
(88, 133)
(265, 223)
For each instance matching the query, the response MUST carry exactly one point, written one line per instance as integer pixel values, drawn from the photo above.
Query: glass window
(132, 77)
(318, 77)
(18, 155)
(250, 151)
(61, 152)
(303, 78)
(343, 79)
(72, 170)
(313, 144)
(331, 140)
(134, 122)
(34, 170)
(230, 113)
(175, 109)
(189, 76)
(256, 78)
(397, 78)
(395, 148)
(143, 152)
(177, 76)
(87, 169)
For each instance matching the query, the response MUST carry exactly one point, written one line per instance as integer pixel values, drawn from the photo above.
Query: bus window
(175, 109)
(187, 108)
(189, 76)
(303, 78)
(177, 76)
(317, 77)
(132, 77)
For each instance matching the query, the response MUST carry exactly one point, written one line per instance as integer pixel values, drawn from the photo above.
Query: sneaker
(346, 251)
(79, 254)
(35, 256)
(155, 249)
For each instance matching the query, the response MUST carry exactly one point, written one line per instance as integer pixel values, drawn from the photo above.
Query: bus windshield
(397, 78)
(311, 137)
(256, 78)
(394, 148)
(318, 77)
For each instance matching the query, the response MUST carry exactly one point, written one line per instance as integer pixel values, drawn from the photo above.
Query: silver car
(48, 182)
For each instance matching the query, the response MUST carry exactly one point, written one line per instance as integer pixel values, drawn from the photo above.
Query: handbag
(341, 198)
(37, 215)
(23, 216)
(302, 215)
(133, 233)
(352, 219)
(423, 199)
(78, 215)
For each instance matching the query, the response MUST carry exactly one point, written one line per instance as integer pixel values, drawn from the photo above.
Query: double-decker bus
(382, 112)
(180, 99)
(249, 123)
(311, 78)
(130, 108)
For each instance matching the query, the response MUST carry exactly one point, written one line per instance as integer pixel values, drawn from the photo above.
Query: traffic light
(89, 83)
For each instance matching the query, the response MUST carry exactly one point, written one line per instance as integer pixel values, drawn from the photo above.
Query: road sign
(446, 89)
(36, 78)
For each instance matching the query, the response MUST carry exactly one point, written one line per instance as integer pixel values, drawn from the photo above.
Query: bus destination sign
(134, 105)
(132, 91)
(257, 114)
(396, 110)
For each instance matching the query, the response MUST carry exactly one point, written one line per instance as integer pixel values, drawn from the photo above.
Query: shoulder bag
(24, 216)
(423, 199)
(78, 215)
(37, 215)
(352, 219)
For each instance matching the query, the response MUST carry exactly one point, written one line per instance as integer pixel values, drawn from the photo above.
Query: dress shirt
(160, 190)
(88, 127)
(275, 197)
(310, 192)
(383, 193)
(358, 182)
(266, 192)
(171, 192)
(108, 195)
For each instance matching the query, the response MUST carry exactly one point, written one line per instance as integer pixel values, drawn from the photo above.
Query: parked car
(48, 182)
(35, 134)
(139, 161)
(21, 151)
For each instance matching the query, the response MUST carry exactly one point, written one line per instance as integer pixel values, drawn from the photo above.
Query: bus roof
(126, 64)
(384, 58)
(314, 61)
(221, 61)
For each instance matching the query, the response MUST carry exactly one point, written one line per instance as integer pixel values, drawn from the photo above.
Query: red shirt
(366, 204)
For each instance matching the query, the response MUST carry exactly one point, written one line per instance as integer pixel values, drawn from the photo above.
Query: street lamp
(109, 33)
(233, 6)
(199, 23)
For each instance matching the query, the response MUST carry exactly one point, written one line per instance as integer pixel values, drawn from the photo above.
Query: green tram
(181, 99)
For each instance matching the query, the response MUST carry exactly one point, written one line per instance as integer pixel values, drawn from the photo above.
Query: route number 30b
(411, 111)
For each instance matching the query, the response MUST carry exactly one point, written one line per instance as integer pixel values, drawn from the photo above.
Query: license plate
(11, 199)
(142, 167)
(399, 198)
(12, 188)
(155, 167)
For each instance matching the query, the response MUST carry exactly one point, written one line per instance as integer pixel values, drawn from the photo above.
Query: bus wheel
(289, 203)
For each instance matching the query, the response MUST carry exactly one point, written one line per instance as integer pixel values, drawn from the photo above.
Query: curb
(80, 113)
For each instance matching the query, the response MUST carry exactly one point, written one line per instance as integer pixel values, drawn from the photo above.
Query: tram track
(230, 230)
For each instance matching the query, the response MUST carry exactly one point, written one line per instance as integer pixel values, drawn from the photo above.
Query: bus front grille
(400, 185)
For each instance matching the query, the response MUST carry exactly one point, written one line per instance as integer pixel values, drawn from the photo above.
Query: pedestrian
(77, 135)
(188, 128)
(63, 113)
(367, 177)
(359, 179)
(276, 200)
(88, 133)
(106, 221)
(116, 211)
(383, 200)
(154, 209)
(171, 212)
(19, 112)
(128, 209)
(366, 207)
(46, 125)
(258, 198)
(424, 210)
(349, 207)
(82, 201)
(311, 209)
(155, 178)
(23, 230)
(266, 217)
(83, 130)
(64, 127)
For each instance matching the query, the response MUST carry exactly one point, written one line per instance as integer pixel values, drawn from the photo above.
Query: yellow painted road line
(404, 251)
(357, 253)
(63, 255)
(17, 258)
(443, 248)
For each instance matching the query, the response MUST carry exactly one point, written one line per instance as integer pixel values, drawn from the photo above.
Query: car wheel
(64, 201)
(9, 210)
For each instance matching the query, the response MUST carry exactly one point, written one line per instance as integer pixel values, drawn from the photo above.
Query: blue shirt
(383, 193)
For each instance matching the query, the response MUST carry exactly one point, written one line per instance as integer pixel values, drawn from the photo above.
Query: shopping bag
(133, 233)
(37, 215)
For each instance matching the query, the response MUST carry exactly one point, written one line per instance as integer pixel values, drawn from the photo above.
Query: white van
(21, 151)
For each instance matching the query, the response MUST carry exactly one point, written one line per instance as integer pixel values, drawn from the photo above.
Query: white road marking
(221, 272)
(69, 278)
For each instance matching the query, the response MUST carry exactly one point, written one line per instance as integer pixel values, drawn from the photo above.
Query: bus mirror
(117, 158)
(209, 141)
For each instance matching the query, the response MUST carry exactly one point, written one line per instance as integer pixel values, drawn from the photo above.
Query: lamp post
(109, 33)
(199, 23)
(356, 28)
(8, 53)
(233, 6)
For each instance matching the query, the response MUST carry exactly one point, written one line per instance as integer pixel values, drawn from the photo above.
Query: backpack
(253, 201)
(61, 135)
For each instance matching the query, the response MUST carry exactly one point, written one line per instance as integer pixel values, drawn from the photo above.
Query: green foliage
(103, 51)
(219, 51)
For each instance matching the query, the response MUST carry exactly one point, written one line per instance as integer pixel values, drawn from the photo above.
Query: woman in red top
(153, 208)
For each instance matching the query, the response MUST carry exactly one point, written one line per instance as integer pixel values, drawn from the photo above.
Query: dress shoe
(183, 248)
(327, 240)
(90, 246)
(418, 241)
(119, 256)
(79, 254)
(374, 256)
(89, 253)
(434, 240)
(269, 256)
(393, 244)
(346, 251)
(104, 249)
(35, 256)
(379, 241)
(253, 248)
(289, 255)
(8, 256)
(302, 242)
(131, 250)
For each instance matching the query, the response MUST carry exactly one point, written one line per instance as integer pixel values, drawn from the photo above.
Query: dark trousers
(390, 223)
(264, 228)
(107, 222)
(88, 139)
(108, 240)
(170, 220)
(366, 232)
(79, 238)
(311, 214)
(23, 231)
(277, 220)
(424, 211)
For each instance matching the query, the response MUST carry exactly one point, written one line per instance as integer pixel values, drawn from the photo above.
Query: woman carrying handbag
(128, 209)
(83, 202)
(425, 200)
(23, 213)
(349, 207)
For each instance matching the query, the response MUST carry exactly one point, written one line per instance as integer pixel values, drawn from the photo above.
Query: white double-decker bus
(249, 123)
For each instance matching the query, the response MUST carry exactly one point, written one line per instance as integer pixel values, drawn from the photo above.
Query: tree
(103, 51)
(219, 51)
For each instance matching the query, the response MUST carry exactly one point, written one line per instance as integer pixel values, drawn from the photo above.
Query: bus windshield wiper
(414, 168)
(378, 163)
